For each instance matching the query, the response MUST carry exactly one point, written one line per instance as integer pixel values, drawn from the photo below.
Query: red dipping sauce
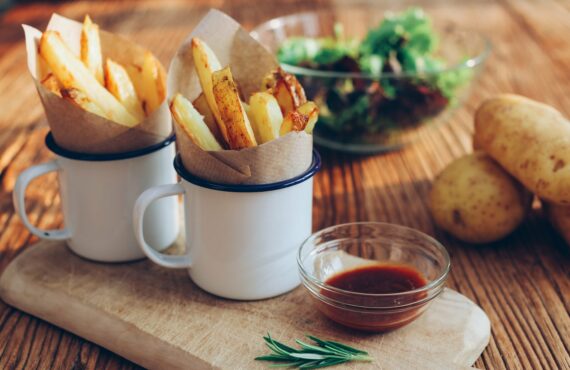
(375, 297)
(378, 279)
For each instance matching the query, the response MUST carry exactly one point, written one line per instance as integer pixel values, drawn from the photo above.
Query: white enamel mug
(98, 192)
(241, 240)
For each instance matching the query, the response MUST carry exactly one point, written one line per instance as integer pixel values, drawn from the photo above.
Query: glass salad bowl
(381, 98)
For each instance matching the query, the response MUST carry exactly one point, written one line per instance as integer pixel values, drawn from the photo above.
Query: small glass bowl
(348, 246)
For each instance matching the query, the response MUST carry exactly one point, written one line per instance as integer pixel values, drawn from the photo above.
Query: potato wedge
(247, 112)
(201, 105)
(311, 110)
(73, 74)
(190, 120)
(239, 131)
(91, 49)
(51, 83)
(43, 69)
(266, 117)
(119, 84)
(286, 89)
(206, 63)
(304, 118)
(80, 99)
(153, 83)
(135, 74)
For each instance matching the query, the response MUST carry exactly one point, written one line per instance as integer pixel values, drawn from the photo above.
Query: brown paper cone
(274, 161)
(81, 131)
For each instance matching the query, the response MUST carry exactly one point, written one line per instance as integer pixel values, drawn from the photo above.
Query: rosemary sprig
(311, 356)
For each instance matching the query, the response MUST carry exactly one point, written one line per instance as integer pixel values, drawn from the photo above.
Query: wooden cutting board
(159, 319)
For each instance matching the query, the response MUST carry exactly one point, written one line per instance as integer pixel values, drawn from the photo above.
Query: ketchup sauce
(376, 313)
(378, 279)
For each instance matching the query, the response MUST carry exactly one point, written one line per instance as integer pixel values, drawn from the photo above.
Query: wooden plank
(158, 318)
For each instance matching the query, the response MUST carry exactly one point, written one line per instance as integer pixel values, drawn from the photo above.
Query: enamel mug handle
(144, 200)
(19, 202)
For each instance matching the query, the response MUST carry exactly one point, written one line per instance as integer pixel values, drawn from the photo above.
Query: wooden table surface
(523, 282)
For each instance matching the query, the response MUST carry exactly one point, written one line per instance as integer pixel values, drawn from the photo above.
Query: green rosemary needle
(311, 356)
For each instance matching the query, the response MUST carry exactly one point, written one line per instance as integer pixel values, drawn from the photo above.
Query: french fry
(80, 99)
(201, 105)
(135, 74)
(192, 123)
(304, 118)
(153, 83)
(73, 74)
(239, 131)
(286, 89)
(266, 116)
(311, 110)
(119, 84)
(43, 70)
(51, 83)
(206, 63)
(247, 113)
(91, 49)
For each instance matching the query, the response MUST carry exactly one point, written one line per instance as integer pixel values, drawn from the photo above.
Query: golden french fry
(119, 84)
(153, 83)
(284, 97)
(73, 74)
(51, 83)
(286, 89)
(43, 69)
(80, 99)
(305, 117)
(192, 123)
(311, 110)
(266, 116)
(293, 121)
(247, 113)
(135, 75)
(206, 63)
(239, 131)
(201, 105)
(91, 48)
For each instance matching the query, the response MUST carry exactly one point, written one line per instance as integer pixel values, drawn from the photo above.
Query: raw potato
(475, 200)
(559, 217)
(530, 140)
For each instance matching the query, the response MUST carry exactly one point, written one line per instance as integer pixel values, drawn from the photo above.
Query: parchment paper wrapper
(84, 132)
(274, 161)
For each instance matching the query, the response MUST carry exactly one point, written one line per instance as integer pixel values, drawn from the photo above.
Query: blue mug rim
(248, 188)
(52, 145)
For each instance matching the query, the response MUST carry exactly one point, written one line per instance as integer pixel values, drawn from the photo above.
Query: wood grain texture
(523, 282)
(158, 318)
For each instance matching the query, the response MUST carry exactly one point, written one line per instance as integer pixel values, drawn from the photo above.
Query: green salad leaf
(412, 83)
